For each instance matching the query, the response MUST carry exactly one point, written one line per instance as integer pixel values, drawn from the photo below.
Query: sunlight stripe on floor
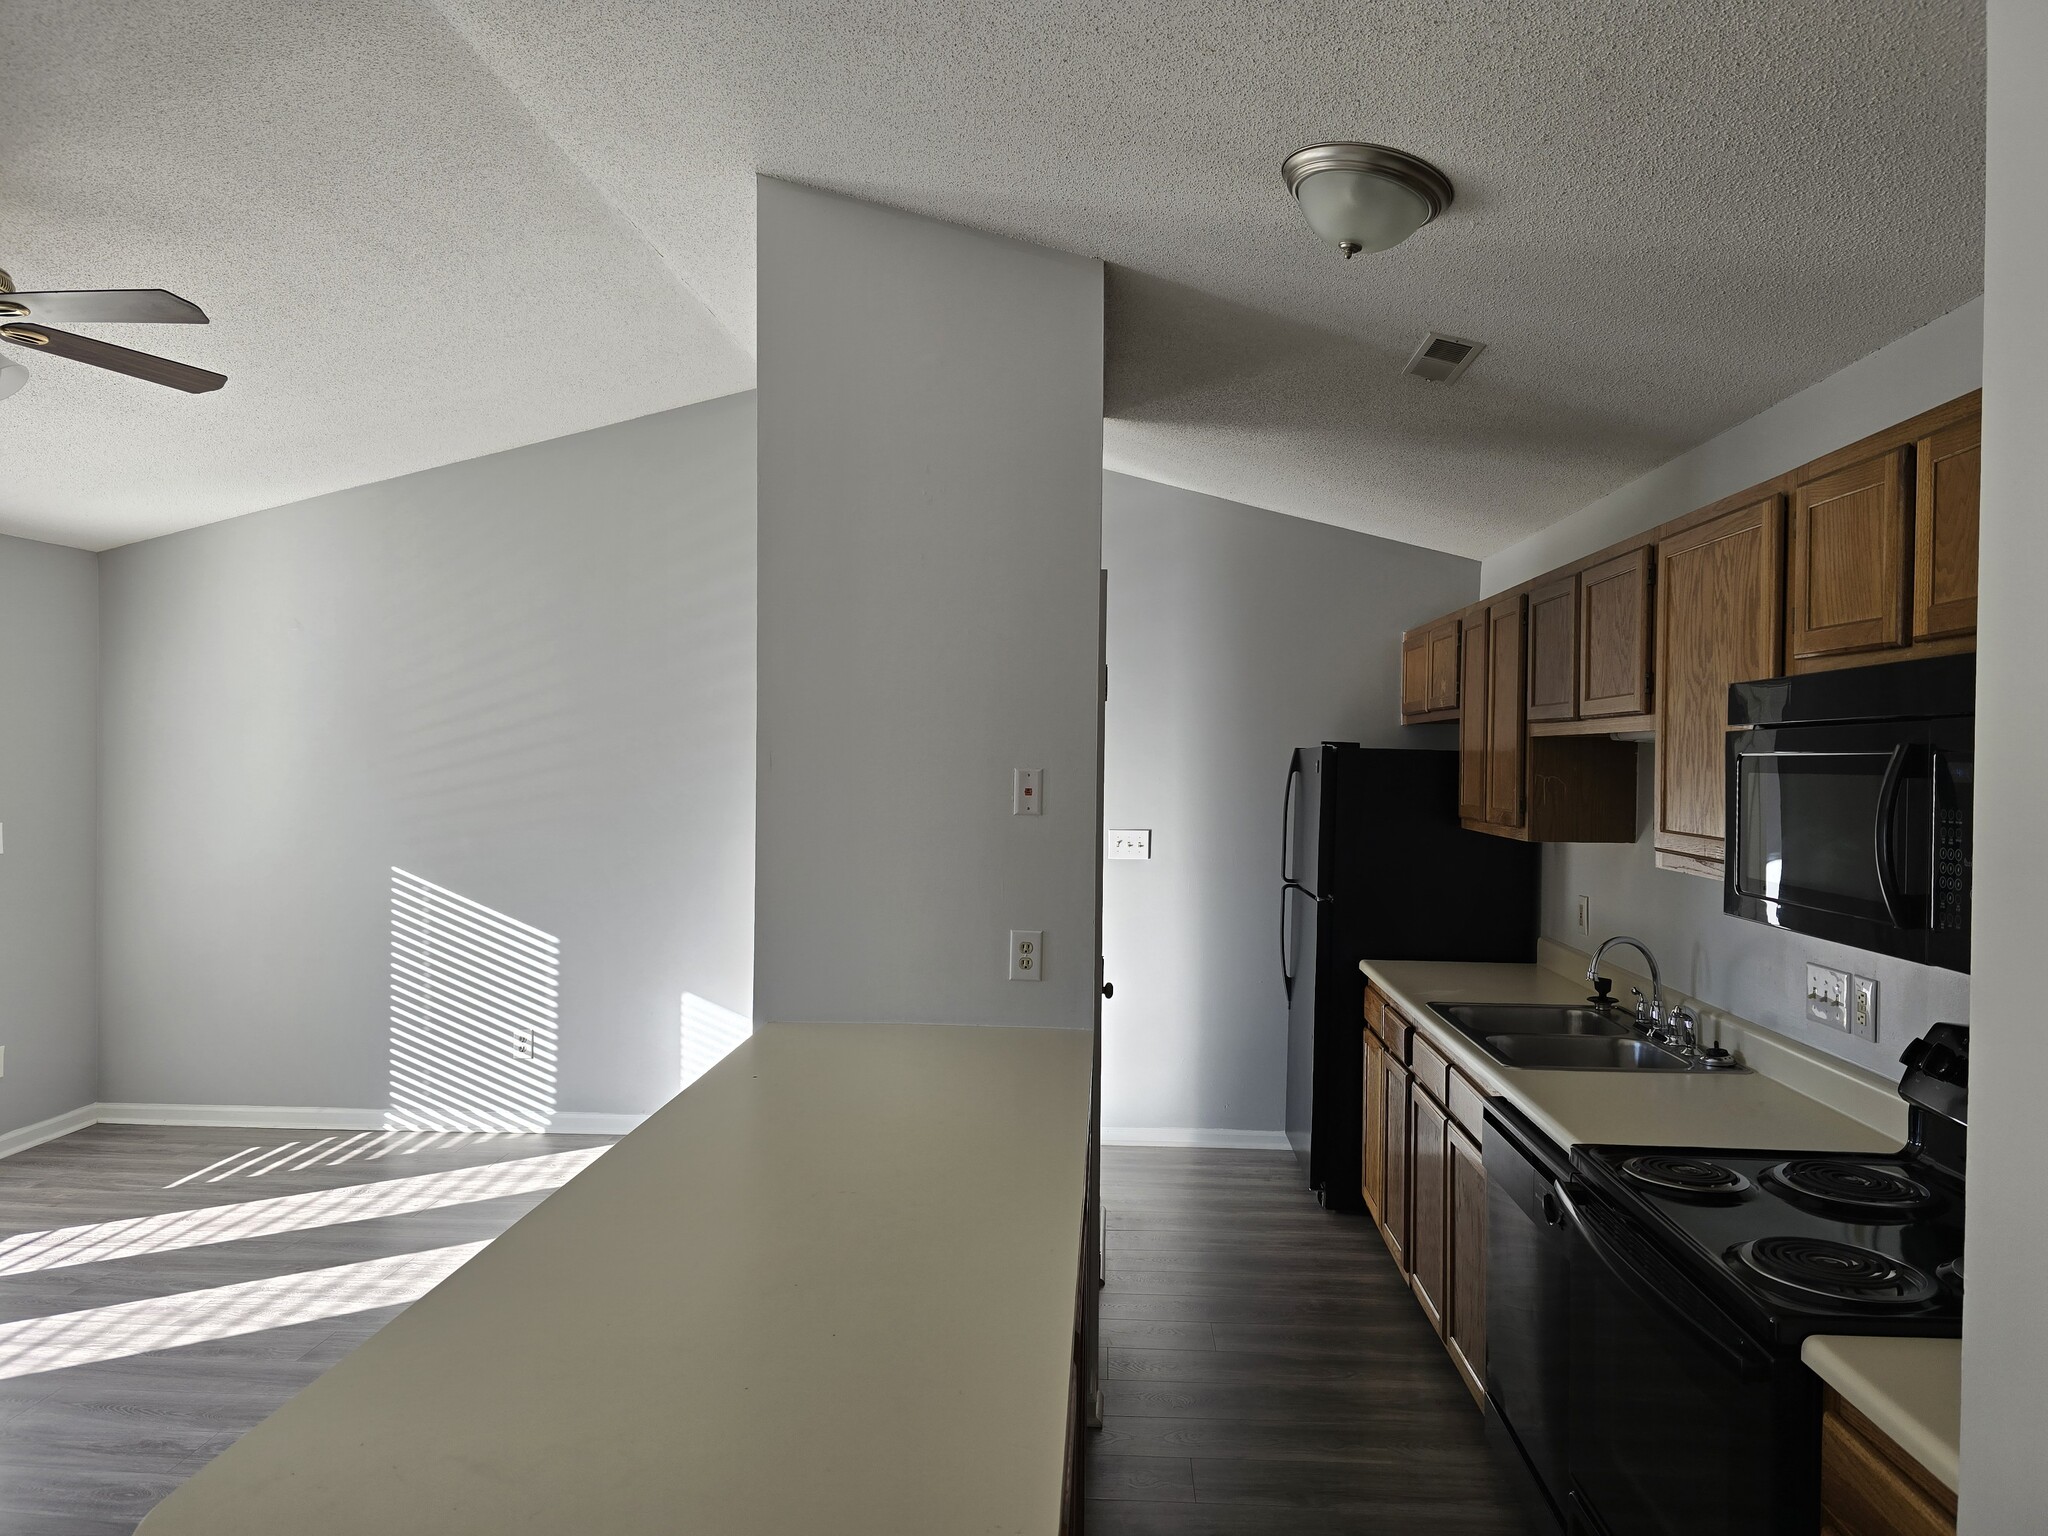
(27, 1252)
(195, 1317)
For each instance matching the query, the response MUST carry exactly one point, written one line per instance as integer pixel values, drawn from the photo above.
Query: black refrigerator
(1374, 865)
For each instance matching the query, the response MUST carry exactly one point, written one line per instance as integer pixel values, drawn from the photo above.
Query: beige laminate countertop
(1667, 1109)
(1909, 1388)
(828, 1288)
(1912, 1389)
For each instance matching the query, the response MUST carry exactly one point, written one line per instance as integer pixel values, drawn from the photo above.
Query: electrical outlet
(1585, 916)
(1863, 1008)
(1027, 791)
(1827, 996)
(1027, 954)
(522, 1044)
(1131, 843)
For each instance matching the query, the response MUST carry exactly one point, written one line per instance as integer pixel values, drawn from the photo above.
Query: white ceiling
(431, 231)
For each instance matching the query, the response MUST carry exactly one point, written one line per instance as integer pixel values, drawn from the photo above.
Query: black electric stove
(1695, 1275)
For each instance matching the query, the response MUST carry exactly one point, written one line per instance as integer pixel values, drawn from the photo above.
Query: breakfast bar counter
(830, 1287)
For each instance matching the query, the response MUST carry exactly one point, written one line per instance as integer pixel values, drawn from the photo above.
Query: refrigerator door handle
(1287, 819)
(1287, 889)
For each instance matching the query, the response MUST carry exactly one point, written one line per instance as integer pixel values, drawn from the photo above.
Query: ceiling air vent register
(1443, 358)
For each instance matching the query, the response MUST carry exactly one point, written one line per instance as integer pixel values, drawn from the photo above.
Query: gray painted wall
(1235, 635)
(1922, 369)
(2005, 1345)
(528, 678)
(1755, 972)
(49, 680)
(931, 529)
(1747, 969)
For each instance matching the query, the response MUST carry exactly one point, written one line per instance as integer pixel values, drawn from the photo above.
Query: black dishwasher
(1528, 1308)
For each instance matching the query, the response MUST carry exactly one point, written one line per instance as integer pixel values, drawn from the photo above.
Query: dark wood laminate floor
(96, 1426)
(1266, 1371)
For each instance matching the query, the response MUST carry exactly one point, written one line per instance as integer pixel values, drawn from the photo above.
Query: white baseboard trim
(578, 1122)
(1193, 1136)
(258, 1117)
(301, 1117)
(35, 1135)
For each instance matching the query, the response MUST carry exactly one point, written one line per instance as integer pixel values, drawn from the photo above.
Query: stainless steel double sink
(1559, 1039)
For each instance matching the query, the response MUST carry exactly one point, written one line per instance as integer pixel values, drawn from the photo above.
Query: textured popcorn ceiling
(426, 232)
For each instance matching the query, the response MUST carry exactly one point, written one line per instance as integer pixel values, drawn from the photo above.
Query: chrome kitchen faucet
(1655, 1017)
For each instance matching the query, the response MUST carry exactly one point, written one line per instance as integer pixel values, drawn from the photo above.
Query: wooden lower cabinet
(1425, 1182)
(1394, 1139)
(1429, 1204)
(1870, 1487)
(1373, 1142)
(1465, 1288)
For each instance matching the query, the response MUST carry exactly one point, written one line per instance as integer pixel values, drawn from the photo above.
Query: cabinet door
(1718, 605)
(1373, 1143)
(1394, 1125)
(1472, 718)
(1465, 1317)
(1614, 636)
(1945, 533)
(1414, 672)
(1428, 1203)
(1506, 728)
(1848, 581)
(1443, 665)
(1554, 651)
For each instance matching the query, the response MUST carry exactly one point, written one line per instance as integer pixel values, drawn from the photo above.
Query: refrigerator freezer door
(1298, 937)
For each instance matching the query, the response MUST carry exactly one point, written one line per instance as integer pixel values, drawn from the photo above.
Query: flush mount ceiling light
(1365, 197)
(12, 377)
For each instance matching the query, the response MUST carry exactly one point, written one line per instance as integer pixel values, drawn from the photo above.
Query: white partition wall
(2005, 1333)
(930, 536)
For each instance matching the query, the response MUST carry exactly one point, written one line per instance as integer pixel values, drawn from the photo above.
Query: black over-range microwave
(1849, 806)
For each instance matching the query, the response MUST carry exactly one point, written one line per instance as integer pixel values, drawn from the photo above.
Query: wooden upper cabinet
(1554, 651)
(1615, 647)
(1945, 533)
(1719, 596)
(1472, 718)
(1507, 738)
(1443, 664)
(1429, 671)
(1847, 588)
(1415, 672)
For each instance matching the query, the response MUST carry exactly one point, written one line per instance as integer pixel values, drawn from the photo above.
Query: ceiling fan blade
(127, 306)
(104, 354)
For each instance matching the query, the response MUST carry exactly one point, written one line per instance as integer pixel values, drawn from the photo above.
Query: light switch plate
(1584, 916)
(1027, 954)
(1027, 791)
(1827, 996)
(1131, 843)
(1863, 1008)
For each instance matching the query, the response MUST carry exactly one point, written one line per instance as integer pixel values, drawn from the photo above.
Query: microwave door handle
(1887, 807)
(1742, 1361)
